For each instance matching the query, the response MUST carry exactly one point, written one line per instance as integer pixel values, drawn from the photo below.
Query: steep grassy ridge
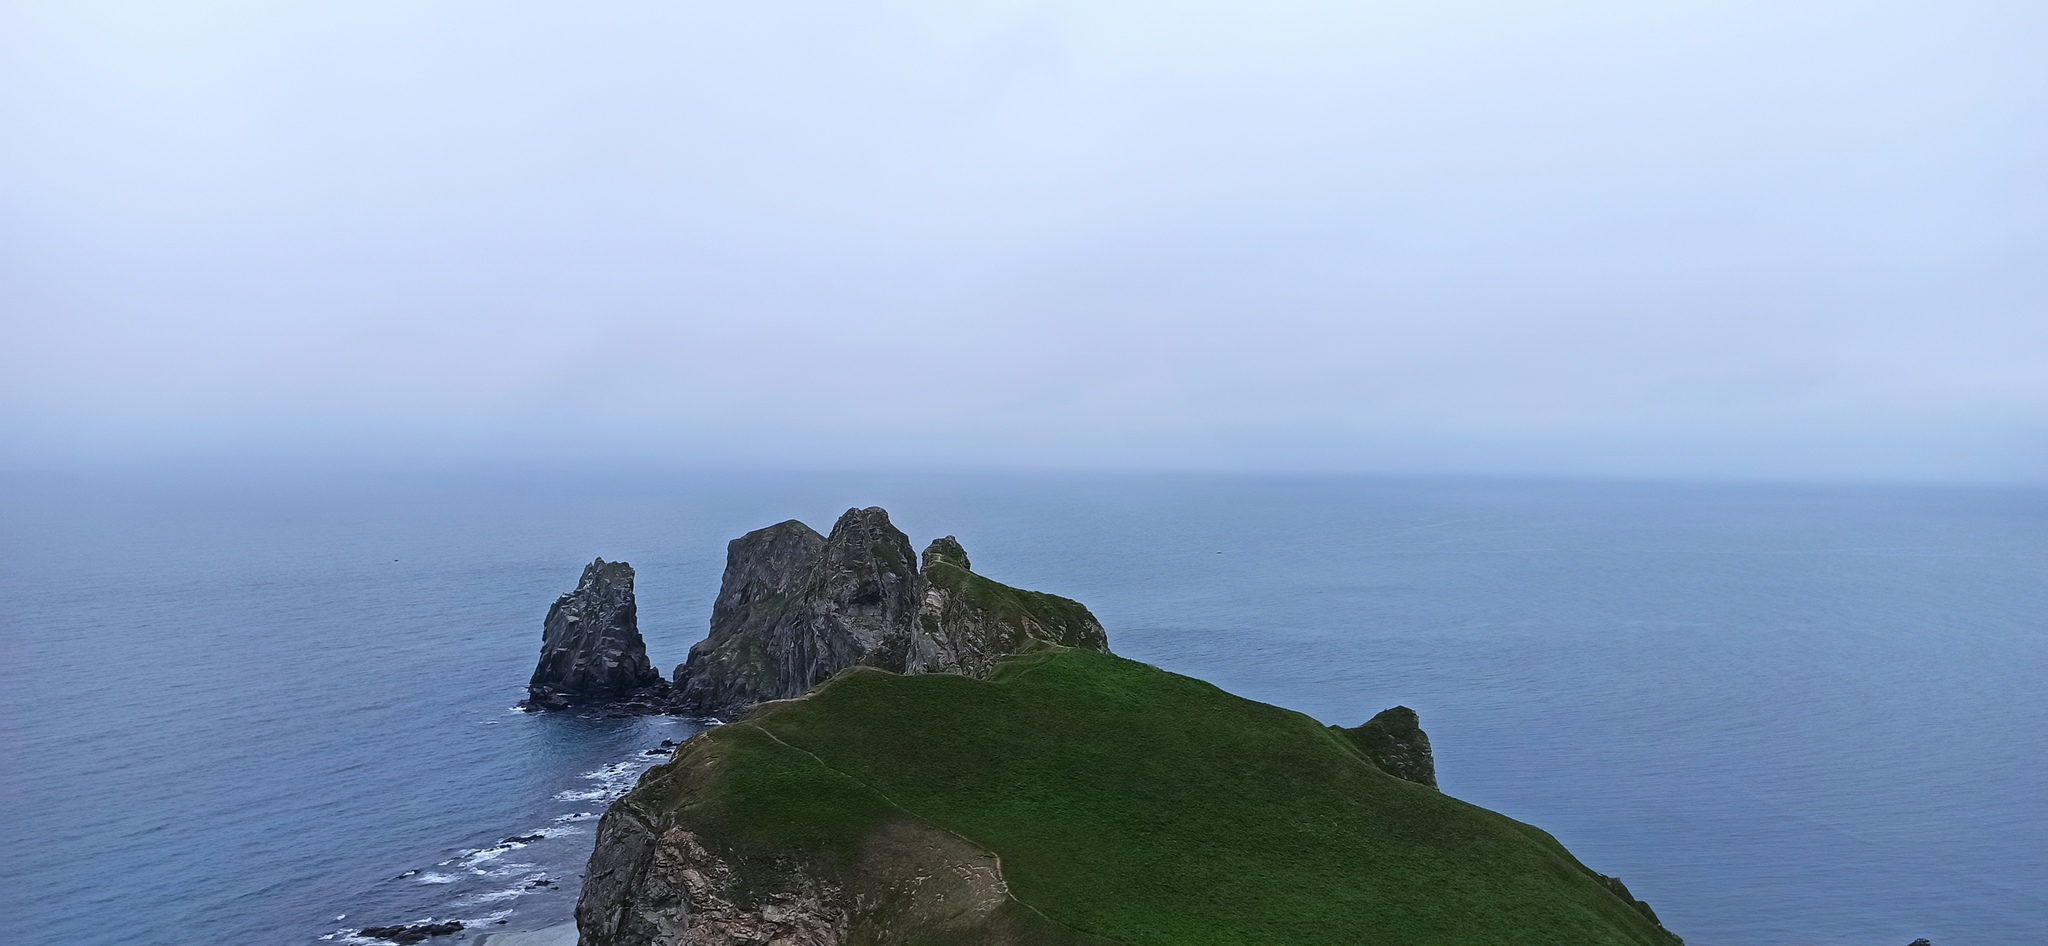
(1142, 807)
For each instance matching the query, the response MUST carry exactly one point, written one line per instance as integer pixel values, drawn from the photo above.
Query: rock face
(796, 607)
(966, 622)
(666, 871)
(590, 644)
(1394, 741)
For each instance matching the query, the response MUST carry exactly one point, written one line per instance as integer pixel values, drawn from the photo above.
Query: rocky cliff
(796, 607)
(673, 868)
(1394, 741)
(590, 644)
(966, 623)
(1067, 798)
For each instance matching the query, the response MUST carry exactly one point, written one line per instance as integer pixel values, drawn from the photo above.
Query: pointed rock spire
(590, 643)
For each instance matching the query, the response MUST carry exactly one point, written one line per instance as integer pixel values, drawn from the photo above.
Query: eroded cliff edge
(693, 858)
(795, 607)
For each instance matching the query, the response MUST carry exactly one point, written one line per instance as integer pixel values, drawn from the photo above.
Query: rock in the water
(407, 935)
(590, 644)
(1394, 741)
(796, 607)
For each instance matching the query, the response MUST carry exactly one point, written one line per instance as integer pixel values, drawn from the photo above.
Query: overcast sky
(1708, 239)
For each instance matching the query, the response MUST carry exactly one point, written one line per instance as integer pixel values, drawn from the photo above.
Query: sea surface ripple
(275, 712)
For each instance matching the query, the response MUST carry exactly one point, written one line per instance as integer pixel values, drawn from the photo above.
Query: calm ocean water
(264, 713)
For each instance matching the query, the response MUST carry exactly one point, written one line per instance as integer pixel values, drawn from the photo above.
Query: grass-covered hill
(1072, 797)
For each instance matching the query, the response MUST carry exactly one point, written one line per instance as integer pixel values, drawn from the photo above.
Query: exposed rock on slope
(670, 870)
(1394, 741)
(796, 607)
(590, 644)
(968, 622)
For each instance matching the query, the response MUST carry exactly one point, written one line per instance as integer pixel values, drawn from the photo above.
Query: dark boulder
(407, 935)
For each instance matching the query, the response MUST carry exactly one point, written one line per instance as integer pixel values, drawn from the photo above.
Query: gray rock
(1394, 742)
(967, 622)
(664, 873)
(795, 607)
(591, 649)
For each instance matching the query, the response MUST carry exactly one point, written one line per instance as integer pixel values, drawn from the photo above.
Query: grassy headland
(1133, 805)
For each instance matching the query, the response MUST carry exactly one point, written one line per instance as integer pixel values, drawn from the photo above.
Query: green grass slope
(1146, 808)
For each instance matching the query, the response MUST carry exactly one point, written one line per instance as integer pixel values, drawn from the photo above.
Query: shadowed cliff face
(795, 607)
(590, 642)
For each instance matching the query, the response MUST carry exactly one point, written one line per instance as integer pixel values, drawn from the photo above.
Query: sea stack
(796, 607)
(591, 649)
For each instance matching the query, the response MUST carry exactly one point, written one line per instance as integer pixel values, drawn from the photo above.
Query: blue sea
(274, 711)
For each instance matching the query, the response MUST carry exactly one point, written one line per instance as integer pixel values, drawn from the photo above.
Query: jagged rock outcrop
(1621, 890)
(966, 622)
(796, 607)
(590, 645)
(1394, 742)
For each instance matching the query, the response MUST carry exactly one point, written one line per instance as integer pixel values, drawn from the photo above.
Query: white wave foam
(614, 780)
(530, 882)
(495, 896)
(487, 919)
